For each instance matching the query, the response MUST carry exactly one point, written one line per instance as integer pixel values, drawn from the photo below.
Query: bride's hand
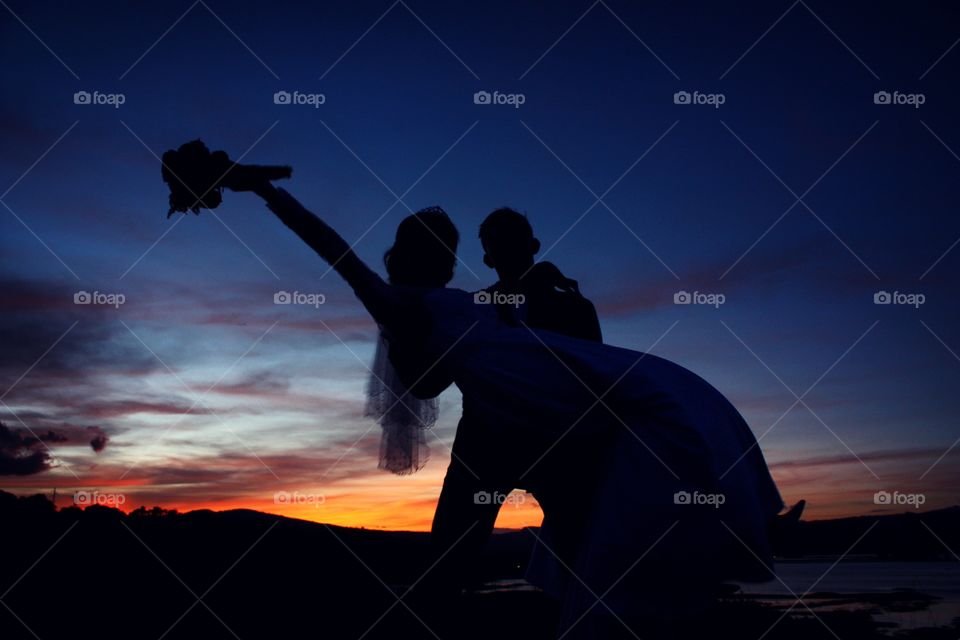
(253, 177)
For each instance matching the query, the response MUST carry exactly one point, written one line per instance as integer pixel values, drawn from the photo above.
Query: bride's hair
(424, 252)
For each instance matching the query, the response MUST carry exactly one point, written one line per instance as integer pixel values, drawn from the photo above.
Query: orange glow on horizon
(367, 512)
(378, 500)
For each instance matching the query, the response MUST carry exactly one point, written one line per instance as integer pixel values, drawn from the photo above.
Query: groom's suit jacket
(552, 302)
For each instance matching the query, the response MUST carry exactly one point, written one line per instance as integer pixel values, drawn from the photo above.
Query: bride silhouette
(678, 498)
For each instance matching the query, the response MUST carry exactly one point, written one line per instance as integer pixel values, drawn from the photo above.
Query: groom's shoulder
(558, 304)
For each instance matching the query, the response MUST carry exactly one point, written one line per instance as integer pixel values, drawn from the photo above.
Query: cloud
(105, 409)
(263, 383)
(894, 455)
(40, 314)
(228, 476)
(23, 452)
(21, 455)
(99, 441)
(758, 268)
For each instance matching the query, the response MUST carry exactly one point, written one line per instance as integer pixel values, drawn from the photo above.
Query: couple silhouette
(653, 488)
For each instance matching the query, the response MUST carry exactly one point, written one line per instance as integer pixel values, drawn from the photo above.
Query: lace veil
(402, 417)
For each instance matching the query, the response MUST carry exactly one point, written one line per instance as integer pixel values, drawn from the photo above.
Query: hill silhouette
(152, 573)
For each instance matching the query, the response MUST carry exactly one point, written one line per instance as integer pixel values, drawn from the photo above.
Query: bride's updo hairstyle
(424, 251)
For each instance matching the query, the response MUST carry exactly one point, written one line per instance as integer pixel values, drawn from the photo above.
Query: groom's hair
(505, 223)
(424, 252)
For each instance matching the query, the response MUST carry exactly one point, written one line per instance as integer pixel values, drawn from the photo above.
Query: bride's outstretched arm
(376, 295)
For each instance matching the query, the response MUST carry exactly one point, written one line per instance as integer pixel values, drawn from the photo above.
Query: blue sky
(797, 199)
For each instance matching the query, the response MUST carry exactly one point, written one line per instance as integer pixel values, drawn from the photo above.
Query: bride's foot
(783, 528)
(793, 515)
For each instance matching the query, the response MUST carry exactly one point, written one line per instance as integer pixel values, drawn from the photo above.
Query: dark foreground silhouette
(100, 573)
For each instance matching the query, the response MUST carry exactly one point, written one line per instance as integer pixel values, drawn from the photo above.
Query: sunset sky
(798, 199)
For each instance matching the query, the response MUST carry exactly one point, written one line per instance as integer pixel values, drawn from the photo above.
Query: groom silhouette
(551, 300)
(486, 463)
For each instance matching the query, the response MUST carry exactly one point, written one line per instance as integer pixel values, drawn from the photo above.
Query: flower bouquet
(196, 176)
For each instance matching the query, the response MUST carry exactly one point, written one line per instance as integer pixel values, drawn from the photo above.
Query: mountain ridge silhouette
(155, 573)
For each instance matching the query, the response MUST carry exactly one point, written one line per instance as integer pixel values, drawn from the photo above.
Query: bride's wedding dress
(680, 495)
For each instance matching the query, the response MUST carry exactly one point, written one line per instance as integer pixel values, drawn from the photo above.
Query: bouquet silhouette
(196, 176)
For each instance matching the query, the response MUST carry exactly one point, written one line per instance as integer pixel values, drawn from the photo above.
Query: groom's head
(508, 243)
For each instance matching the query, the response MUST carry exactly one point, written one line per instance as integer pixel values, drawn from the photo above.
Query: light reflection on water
(886, 589)
(940, 579)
